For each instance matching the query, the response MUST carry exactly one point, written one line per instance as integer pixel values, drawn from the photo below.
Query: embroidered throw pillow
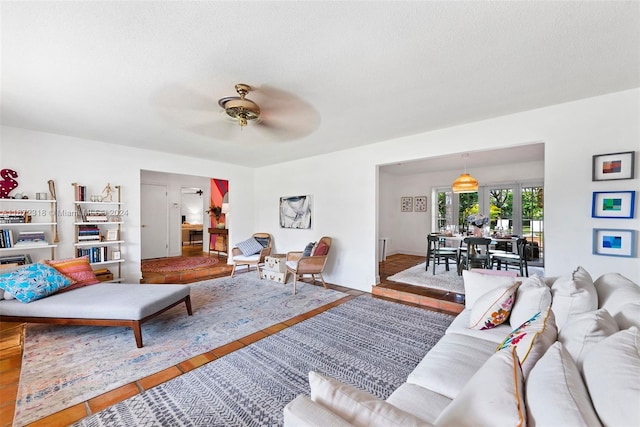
(33, 282)
(77, 269)
(249, 247)
(532, 339)
(493, 308)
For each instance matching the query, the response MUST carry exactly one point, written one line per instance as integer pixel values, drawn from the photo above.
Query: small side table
(214, 233)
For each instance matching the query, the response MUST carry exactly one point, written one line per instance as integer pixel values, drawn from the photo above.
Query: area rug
(366, 342)
(65, 365)
(162, 265)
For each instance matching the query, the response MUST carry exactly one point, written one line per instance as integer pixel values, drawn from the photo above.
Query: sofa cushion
(419, 401)
(533, 295)
(78, 269)
(460, 325)
(554, 379)
(493, 308)
(532, 339)
(450, 363)
(476, 285)
(33, 282)
(494, 396)
(249, 247)
(302, 411)
(610, 371)
(621, 297)
(585, 330)
(572, 295)
(358, 406)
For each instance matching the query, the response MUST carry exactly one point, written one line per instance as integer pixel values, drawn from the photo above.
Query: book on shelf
(14, 217)
(6, 238)
(19, 259)
(94, 254)
(31, 238)
(81, 193)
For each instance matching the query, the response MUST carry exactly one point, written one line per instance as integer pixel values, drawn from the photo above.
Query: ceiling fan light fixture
(240, 108)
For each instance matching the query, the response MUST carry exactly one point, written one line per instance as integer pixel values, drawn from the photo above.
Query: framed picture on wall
(295, 212)
(613, 204)
(420, 203)
(607, 167)
(614, 242)
(406, 204)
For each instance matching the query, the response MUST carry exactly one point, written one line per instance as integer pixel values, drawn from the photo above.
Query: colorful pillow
(358, 406)
(533, 296)
(321, 249)
(33, 282)
(494, 396)
(556, 393)
(585, 330)
(573, 295)
(250, 246)
(532, 339)
(476, 285)
(77, 269)
(493, 308)
(610, 371)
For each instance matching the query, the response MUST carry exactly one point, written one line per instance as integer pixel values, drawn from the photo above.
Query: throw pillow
(533, 296)
(308, 248)
(249, 247)
(615, 292)
(77, 269)
(556, 394)
(476, 285)
(264, 241)
(493, 308)
(532, 339)
(494, 396)
(585, 330)
(357, 406)
(321, 249)
(33, 282)
(610, 371)
(572, 295)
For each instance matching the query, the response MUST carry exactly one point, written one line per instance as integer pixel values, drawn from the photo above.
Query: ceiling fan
(240, 108)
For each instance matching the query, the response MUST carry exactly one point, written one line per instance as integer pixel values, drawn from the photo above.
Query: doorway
(154, 216)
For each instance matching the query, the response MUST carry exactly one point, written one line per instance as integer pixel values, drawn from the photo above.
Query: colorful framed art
(607, 167)
(614, 242)
(613, 204)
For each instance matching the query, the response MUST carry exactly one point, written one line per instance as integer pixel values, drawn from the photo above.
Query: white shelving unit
(107, 250)
(39, 215)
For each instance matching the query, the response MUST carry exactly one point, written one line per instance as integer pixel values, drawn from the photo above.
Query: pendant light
(465, 183)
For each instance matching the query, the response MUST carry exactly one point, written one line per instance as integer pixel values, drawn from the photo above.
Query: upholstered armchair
(300, 264)
(251, 252)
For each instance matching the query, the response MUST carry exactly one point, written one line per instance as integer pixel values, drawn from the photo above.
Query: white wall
(38, 157)
(345, 184)
(407, 231)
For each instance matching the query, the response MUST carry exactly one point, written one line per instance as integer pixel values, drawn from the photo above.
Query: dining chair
(437, 252)
(476, 255)
(518, 260)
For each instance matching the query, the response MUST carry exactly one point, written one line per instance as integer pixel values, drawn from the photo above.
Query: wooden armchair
(299, 265)
(238, 258)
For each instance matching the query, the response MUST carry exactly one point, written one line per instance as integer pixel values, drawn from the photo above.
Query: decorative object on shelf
(295, 212)
(465, 183)
(107, 194)
(112, 235)
(614, 242)
(52, 190)
(41, 196)
(607, 167)
(406, 204)
(8, 183)
(613, 204)
(420, 203)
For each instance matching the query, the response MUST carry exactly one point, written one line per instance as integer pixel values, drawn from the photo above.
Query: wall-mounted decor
(614, 242)
(295, 212)
(607, 167)
(406, 204)
(420, 203)
(613, 204)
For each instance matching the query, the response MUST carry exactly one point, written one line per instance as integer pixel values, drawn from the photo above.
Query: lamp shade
(465, 183)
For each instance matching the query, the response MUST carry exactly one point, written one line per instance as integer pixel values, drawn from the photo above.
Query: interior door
(154, 220)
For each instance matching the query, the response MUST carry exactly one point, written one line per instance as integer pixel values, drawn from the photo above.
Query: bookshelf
(26, 226)
(98, 228)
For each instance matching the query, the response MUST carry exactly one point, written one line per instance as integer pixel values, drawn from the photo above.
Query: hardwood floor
(12, 336)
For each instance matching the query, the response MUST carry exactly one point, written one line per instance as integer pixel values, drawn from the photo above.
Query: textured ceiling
(329, 75)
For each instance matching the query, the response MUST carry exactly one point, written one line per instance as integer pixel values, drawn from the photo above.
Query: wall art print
(607, 167)
(613, 204)
(406, 204)
(295, 212)
(420, 203)
(614, 242)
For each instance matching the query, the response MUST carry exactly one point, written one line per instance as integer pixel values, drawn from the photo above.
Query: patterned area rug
(163, 265)
(369, 343)
(443, 280)
(65, 365)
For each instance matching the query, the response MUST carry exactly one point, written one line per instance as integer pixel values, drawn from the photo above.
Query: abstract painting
(295, 212)
(614, 242)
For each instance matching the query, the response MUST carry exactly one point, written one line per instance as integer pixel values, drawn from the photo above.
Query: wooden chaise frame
(133, 324)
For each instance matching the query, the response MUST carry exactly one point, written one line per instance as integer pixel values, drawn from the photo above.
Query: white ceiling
(329, 75)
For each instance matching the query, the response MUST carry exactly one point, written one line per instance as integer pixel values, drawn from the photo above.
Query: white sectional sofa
(568, 354)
